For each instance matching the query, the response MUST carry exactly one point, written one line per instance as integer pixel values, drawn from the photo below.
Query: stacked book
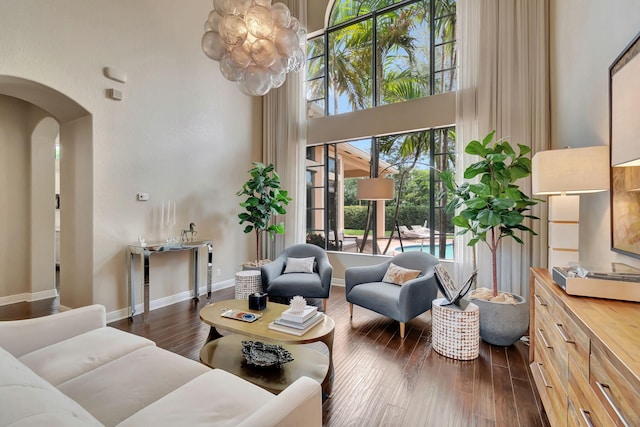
(297, 323)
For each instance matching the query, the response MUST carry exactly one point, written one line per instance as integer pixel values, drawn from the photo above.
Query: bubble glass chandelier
(256, 43)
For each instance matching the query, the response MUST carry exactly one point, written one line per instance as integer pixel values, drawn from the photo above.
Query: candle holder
(171, 239)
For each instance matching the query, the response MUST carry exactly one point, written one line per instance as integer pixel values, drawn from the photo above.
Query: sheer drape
(284, 139)
(503, 84)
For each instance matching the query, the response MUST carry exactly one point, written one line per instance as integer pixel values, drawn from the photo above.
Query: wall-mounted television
(624, 145)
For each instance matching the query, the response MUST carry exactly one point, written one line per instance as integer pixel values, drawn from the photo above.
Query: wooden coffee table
(225, 351)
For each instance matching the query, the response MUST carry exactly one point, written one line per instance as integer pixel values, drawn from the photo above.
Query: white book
(294, 331)
(298, 325)
(308, 312)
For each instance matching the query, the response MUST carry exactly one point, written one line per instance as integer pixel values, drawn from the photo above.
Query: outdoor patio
(352, 244)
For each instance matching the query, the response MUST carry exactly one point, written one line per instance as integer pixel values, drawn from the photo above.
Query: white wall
(14, 200)
(586, 37)
(182, 131)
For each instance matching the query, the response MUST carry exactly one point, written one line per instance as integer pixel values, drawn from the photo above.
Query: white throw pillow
(299, 265)
(399, 275)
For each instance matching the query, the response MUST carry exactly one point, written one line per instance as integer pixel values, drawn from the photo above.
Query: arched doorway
(76, 183)
(44, 218)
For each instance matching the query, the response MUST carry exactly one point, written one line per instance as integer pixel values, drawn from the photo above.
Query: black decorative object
(189, 234)
(264, 355)
(257, 301)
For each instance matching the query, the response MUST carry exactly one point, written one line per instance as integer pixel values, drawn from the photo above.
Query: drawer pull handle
(564, 336)
(604, 390)
(540, 300)
(586, 416)
(544, 339)
(544, 379)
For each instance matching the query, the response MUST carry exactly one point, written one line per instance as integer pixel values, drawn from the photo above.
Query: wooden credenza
(585, 356)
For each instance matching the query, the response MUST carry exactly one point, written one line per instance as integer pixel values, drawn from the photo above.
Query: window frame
(376, 98)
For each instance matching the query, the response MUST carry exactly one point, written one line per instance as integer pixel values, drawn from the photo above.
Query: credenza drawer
(550, 386)
(555, 352)
(620, 399)
(576, 341)
(544, 301)
(584, 408)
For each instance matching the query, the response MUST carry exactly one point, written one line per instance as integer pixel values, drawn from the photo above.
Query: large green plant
(265, 199)
(492, 207)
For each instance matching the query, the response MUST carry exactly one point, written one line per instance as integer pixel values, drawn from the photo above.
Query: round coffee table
(225, 351)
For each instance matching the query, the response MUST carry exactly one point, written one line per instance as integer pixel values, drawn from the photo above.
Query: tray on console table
(584, 355)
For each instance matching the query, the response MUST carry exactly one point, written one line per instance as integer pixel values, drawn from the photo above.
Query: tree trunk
(493, 247)
(257, 247)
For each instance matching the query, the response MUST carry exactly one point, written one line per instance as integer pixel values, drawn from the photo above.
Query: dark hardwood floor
(380, 380)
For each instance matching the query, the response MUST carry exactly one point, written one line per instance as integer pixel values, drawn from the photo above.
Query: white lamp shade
(571, 170)
(375, 189)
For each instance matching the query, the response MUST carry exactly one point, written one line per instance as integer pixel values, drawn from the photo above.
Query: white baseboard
(29, 297)
(123, 313)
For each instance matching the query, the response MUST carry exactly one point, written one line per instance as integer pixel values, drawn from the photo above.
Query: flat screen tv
(624, 144)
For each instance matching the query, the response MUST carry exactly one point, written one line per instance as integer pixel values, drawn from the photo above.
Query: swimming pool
(425, 248)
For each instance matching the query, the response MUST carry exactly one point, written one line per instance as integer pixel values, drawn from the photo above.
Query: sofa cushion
(75, 356)
(117, 390)
(307, 285)
(224, 400)
(20, 337)
(28, 400)
(381, 297)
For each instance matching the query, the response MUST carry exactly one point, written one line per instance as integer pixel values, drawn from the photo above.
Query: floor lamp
(374, 189)
(563, 175)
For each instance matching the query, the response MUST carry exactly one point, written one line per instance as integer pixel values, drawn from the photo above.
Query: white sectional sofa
(70, 369)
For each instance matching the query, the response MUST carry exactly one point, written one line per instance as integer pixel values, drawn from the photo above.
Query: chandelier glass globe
(256, 43)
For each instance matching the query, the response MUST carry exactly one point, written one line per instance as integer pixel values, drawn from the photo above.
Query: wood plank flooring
(380, 380)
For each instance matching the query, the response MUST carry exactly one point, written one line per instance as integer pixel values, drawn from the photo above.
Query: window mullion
(374, 61)
(432, 48)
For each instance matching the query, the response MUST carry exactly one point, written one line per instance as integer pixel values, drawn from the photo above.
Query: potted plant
(265, 199)
(493, 208)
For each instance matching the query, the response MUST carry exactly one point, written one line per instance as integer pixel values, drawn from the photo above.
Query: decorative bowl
(264, 355)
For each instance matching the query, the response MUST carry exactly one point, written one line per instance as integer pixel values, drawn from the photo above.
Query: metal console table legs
(145, 253)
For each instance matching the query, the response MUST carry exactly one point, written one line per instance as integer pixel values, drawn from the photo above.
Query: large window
(381, 52)
(375, 53)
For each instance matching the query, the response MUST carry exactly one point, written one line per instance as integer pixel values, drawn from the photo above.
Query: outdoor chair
(405, 233)
(364, 286)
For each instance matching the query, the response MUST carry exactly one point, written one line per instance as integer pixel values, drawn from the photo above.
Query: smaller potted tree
(493, 208)
(265, 199)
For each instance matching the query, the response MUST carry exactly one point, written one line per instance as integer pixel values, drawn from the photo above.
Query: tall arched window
(373, 54)
(378, 52)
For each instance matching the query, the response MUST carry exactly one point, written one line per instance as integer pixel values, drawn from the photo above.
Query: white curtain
(284, 140)
(503, 85)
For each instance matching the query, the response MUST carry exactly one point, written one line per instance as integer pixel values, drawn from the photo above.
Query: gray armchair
(308, 285)
(364, 287)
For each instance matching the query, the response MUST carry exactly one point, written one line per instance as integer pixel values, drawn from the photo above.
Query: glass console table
(145, 251)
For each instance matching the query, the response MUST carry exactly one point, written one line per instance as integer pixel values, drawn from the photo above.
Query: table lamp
(563, 175)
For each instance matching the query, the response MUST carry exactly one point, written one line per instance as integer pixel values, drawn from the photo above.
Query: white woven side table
(247, 283)
(455, 332)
